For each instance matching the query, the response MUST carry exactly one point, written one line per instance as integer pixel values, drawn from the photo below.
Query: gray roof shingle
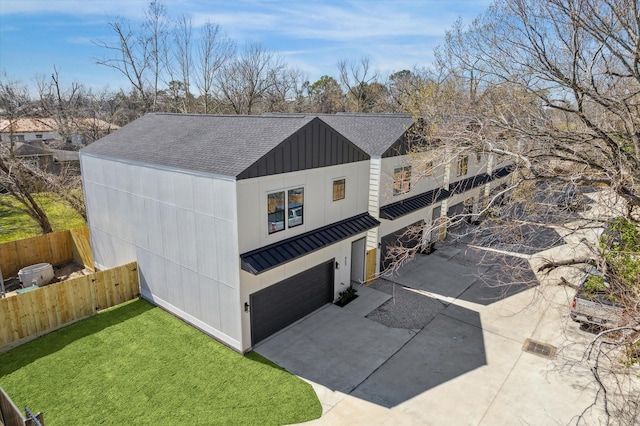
(229, 144)
(219, 144)
(373, 133)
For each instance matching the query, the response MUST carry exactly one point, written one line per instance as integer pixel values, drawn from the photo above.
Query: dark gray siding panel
(281, 304)
(315, 145)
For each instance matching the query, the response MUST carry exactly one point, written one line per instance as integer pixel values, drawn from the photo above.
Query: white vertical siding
(374, 199)
(340, 251)
(182, 230)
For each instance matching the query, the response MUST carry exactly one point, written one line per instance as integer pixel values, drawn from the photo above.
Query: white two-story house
(241, 225)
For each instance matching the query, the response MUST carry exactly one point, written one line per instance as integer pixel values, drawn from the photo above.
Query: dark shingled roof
(219, 144)
(229, 144)
(373, 133)
(265, 258)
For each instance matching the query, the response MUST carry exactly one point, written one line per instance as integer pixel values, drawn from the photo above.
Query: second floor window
(428, 168)
(401, 180)
(285, 209)
(463, 165)
(338, 189)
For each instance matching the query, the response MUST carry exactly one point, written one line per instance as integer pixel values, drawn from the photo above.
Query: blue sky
(311, 35)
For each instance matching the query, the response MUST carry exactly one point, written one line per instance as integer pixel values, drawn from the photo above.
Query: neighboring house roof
(35, 125)
(27, 150)
(228, 145)
(94, 123)
(30, 150)
(28, 125)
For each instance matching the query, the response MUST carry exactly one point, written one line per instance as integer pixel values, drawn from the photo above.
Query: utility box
(38, 274)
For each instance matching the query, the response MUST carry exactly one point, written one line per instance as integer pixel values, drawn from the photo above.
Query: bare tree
(355, 77)
(215, 50)
(138, 54)
(246, 81)
(131, 57)
(554, 87)
(15, 102)
(156, 28)
(21, 181)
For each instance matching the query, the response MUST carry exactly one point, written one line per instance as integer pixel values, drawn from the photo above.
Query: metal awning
(400, 208)
(265, 258)
(409, 205)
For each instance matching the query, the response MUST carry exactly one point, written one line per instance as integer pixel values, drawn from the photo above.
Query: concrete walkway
(465, 364)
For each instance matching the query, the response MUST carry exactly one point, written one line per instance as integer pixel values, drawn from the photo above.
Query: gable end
(314, 145)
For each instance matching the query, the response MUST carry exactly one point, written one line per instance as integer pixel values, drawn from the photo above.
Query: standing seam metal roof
(265, 258)
(408, 205)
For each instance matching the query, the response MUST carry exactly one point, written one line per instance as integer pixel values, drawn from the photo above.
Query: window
(38, 136)
(20, 138)
(428, 168)
(463, 165)
(295, 203)
(401, 180)
(275, 211)
(277, 205)
(338, 189)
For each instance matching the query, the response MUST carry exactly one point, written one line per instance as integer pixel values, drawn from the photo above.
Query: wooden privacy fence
(34, 313)
(56, 248)
(10, 415)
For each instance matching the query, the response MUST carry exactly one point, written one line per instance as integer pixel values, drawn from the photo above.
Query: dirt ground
(62, 273)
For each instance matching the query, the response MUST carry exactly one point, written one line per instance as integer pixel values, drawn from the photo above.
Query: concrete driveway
(446, 349)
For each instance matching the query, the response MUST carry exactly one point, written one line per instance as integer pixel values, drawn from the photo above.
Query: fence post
(33, 420)
(2, 289)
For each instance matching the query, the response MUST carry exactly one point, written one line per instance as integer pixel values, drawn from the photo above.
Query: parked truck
(593, 305)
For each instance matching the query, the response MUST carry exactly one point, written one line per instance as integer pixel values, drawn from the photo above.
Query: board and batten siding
(182, 230)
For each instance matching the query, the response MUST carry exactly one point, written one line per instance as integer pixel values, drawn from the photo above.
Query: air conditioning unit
(38, 274)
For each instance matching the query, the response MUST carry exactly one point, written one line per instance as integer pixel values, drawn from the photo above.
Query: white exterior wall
(319, 210)
(419, 182)
(477, 165)
(29, 136)
(341, 251)
(375, 167)
(319, 207)
(181, 228)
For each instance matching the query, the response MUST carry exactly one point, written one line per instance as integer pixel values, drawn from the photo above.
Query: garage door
(390, 240)
(281, 304)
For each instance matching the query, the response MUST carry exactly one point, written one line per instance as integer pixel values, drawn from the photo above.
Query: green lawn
(138, 365)
(15, 225)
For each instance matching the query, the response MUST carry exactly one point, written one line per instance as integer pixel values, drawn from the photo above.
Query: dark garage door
(281, 304)
(408, 241)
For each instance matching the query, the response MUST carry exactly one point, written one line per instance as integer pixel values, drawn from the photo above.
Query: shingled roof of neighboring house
(28, 125)
(34, 125)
